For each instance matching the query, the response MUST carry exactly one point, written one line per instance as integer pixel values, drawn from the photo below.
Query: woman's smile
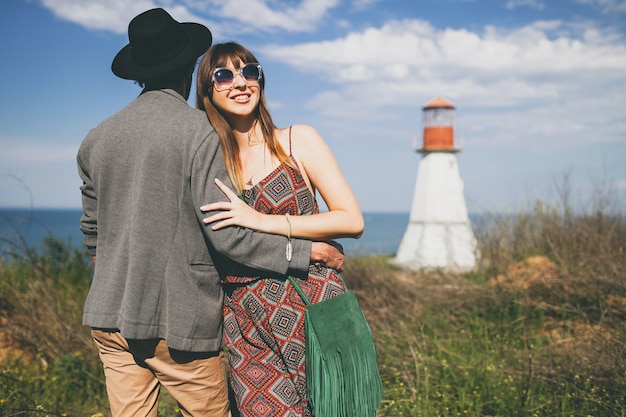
(242, 98)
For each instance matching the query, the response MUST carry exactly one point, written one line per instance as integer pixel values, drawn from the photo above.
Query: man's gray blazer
(146, 171)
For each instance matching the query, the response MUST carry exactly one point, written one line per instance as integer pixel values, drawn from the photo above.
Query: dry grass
(539, 329)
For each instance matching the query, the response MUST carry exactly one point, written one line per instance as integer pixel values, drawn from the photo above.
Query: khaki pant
(135, 370)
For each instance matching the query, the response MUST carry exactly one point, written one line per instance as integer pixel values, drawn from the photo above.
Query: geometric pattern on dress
(331, 292)
(274, 291)
(294, 353)
(255, 374)
(254, 307)
(303, 199)
(264, 319)
(264, 344)
(230, 326)
(239, 389)
(282, 191)
(260, 407)
(279, 190)
(284, 390)
(283, 321)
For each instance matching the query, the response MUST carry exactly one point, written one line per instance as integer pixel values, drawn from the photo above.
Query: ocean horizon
(382, 235)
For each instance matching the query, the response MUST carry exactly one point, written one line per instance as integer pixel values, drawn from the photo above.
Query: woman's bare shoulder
(305, 136)
(303, 130)
(301, 136)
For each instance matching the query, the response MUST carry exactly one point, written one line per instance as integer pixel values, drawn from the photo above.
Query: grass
(538, 329)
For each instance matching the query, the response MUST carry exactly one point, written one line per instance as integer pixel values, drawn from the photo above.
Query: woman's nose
(239, 81)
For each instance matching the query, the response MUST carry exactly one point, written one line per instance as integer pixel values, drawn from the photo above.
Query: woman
(276, 173)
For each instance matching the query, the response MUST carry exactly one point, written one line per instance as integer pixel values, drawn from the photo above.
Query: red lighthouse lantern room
(438, 121)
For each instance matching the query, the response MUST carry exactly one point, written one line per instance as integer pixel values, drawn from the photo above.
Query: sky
(539, 89)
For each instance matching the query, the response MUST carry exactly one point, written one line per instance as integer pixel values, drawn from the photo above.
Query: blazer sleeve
(89, 218)
(244, 246)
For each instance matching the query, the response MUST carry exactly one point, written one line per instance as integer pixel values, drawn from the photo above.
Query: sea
(19, 227)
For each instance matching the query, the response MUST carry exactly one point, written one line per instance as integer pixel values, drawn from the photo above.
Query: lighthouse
(439, 234)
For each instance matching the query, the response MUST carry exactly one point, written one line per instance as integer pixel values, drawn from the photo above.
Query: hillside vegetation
(539, 329)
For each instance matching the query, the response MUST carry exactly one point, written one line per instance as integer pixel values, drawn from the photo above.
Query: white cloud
(542, 89)
(607, 6)
(250, 15)
(559, 85)
(275, 15)
(363, 4)
(111, 15)
(411, 45)
(535, 4)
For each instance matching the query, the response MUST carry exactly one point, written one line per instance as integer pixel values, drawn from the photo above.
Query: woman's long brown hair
(218, 56)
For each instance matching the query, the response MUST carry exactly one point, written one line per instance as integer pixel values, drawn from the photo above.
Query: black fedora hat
(159, 44)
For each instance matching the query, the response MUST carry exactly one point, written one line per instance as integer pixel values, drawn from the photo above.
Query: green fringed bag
(341, 367)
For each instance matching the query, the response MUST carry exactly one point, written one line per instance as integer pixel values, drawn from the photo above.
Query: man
(155, 303)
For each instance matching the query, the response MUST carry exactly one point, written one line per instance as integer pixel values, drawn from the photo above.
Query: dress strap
(290, 153)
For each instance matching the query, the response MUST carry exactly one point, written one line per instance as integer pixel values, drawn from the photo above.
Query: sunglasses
(224, 78)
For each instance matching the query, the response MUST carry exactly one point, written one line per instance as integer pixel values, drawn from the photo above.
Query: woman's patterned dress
(264, 316)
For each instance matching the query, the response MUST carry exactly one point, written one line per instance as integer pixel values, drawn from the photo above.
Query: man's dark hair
(168, 79)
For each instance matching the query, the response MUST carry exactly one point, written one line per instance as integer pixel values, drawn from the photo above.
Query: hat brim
(200, 41)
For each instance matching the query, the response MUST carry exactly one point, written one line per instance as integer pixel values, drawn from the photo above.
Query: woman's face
(238, 99)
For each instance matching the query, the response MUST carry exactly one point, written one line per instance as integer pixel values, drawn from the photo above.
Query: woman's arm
(343, 219)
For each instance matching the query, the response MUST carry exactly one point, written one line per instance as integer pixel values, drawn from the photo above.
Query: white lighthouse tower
(439, 234)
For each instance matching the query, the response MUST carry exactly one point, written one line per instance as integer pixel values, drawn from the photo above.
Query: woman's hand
(233, 213)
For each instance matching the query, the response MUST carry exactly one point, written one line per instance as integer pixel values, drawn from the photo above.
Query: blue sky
(539, 88)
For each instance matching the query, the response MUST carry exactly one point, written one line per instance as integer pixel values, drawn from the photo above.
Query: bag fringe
(348, 382)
